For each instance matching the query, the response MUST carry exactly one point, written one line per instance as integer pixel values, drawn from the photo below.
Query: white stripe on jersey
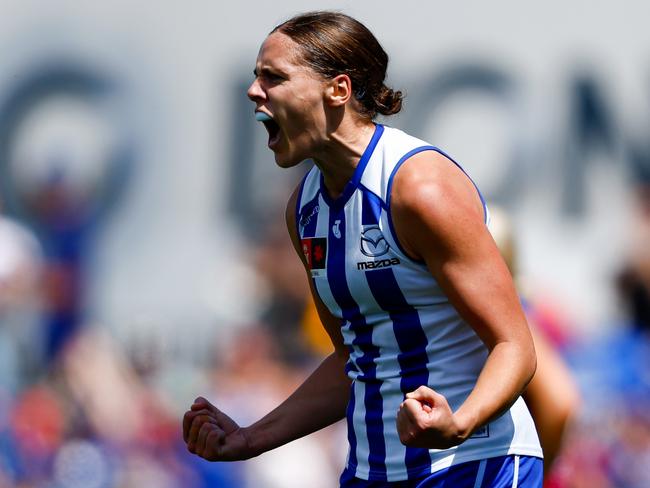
(480, 474)
(515, 476)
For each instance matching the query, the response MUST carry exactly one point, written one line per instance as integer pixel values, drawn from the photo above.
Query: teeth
(262, 117)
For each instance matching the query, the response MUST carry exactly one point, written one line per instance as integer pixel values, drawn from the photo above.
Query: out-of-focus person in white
(21, 260)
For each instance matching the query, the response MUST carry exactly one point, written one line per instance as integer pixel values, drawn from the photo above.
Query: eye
(269, 76)
(273, 77)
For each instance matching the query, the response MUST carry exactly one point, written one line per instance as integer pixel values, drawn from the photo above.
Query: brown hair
(333, 43)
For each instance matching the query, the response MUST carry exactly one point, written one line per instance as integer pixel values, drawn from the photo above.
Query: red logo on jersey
(315, 251)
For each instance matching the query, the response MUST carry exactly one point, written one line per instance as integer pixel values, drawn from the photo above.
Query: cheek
(308, 98)
(307, 117)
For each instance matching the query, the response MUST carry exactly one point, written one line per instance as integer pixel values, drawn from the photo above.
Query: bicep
(479, 285)
(439, 217)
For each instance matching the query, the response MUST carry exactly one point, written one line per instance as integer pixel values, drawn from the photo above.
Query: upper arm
(331, 323)
(438, 217)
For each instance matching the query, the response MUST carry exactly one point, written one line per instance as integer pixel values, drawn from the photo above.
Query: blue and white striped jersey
(399, 326)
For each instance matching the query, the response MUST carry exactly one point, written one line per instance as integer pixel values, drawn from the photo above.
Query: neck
(341, 154)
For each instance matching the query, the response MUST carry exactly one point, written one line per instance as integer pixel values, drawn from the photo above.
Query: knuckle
(199, 420)
(408, 438)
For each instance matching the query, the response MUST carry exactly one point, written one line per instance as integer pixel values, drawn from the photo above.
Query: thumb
(201, 403)
(424, 394)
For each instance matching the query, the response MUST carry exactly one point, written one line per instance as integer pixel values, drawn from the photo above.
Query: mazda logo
(373, 242)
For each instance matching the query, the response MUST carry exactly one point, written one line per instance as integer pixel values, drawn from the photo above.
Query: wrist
(465, 423)
(252, 446)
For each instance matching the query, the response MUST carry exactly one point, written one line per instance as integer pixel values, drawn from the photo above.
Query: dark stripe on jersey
(308, 218)
(373, 400)
(370, 209)
(410, 337)
(298, 200)
(352, 437)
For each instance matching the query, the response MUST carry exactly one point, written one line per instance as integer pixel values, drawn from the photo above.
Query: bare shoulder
(431, 180)
(290, 216)
(432, 199)
(290, 213)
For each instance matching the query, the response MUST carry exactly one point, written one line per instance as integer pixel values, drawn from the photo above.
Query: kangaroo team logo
(373, 242)
(336, 230)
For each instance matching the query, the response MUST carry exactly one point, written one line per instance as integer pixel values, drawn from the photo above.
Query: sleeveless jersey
(399, 327)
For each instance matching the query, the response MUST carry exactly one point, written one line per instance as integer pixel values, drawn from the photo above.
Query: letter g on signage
(38, 146)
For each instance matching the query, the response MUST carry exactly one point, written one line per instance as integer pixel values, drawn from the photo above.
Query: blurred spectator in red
(38, 424)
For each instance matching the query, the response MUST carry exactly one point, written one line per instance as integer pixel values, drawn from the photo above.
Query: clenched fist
(424, 419)
(212, 435)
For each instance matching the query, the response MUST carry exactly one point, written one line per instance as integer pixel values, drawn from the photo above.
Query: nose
(255, 91)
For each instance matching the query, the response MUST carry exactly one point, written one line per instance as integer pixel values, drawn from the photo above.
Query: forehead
(279, 50)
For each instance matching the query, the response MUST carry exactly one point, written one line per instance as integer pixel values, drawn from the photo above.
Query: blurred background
(143, 253)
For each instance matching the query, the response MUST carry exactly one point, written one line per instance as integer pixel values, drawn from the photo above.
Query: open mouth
(271, 127)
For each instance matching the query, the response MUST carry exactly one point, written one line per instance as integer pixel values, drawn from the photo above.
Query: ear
(338, 91)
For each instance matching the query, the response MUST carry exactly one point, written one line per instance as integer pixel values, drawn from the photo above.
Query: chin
(284, 161)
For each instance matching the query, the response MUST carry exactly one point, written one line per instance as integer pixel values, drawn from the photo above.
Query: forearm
(320, 401)
(507, 371)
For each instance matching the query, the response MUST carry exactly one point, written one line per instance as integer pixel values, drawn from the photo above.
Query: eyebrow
(268, 71)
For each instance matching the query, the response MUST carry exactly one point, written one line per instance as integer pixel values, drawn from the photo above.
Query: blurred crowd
(80, 409)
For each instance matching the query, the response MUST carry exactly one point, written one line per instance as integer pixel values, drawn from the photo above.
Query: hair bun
(388, 101)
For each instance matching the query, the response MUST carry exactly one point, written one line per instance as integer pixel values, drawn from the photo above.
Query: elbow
(568, 404)
(529, 368)
(532, 366)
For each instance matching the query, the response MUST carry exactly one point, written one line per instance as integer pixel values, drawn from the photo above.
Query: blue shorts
(499, 472)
